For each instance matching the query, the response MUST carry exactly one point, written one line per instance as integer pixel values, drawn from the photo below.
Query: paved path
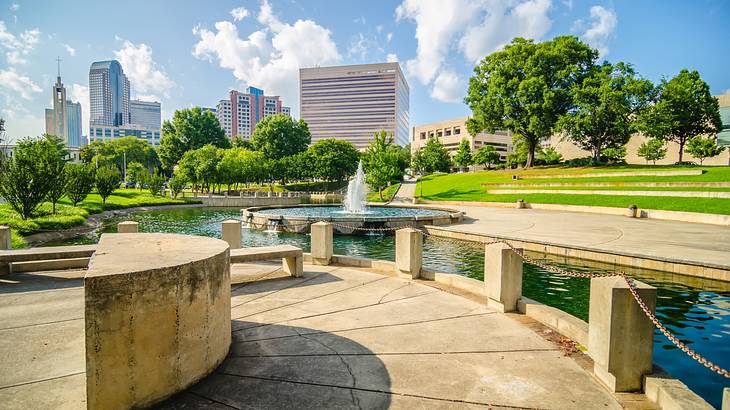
(698, 243)
(405, 193)
(335, 338)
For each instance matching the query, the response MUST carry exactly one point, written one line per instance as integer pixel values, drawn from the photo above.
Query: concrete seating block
(291, 256)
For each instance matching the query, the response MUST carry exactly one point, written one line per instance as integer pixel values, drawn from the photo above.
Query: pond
(696, 310)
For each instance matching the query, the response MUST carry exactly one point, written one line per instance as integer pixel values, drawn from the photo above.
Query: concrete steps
(49, 264)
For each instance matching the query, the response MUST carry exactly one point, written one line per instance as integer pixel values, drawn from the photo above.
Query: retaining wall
(243, 202)
(158, 316)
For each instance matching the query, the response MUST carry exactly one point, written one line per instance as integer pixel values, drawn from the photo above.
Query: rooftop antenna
(58, 59)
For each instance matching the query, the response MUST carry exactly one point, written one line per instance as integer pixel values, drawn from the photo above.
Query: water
(355, 201)
(335, 211)
(696, 310)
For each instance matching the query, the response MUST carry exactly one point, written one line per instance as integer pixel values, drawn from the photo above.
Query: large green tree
(605, 107)
(240, 166)
(333, 159)
(435, 157)
(200, 166)
(279, 136)
(382, 162)
(116, 151)
(31, 173)
(526, 87)
(486, 155)
(189, 129)
(463, 157)
(684, 109)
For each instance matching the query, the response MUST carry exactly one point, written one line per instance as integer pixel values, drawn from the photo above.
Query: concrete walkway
(335, 338)
(680, 241)
(405, 193)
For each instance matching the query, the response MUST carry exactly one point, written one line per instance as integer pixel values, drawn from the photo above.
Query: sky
(191, 53)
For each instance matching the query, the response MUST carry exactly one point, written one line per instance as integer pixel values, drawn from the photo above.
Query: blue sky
(187, 53)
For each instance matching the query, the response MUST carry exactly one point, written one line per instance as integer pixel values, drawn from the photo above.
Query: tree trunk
(596, 156)
(681, 149)
(380, 192)
(530, 153)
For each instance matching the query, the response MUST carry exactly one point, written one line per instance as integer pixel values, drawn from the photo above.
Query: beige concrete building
(571, 151)
(354, 102)
(451, 132)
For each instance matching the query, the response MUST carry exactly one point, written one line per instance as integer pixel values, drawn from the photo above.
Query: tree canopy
(434, 157)
(486, 155)
(606, 103)
(684, 109)
(279, 136)
(526, 87)
(652, 150)
(189, 129)
(113, 153)
(702, 148)
(107, 181)
(333, 159)
(463, 157)
(382, 162)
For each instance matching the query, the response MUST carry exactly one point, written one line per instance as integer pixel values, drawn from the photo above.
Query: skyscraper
(241, 111)
(145, 114)
(354, 102)
(108, 94)
(73, 113)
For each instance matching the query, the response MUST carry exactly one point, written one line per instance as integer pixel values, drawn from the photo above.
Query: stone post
(502, 277)
(231, 233)
(321, 243)
(409, 251)
(520, 204)
(726, 398)
(620, 335)
(6, 239)
(128, 227)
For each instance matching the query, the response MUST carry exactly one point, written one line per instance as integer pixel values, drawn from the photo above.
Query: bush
(155, 183)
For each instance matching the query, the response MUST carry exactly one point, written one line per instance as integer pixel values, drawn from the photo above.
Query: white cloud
(19, 83)
(391, 58)
(71, 50)
(504, 21)
(269, 58)
(448, 87)
(474, 28)
(379, 28)
(239, 13)
(361, 46)
(146, 76)
(359, 20)
(14, 7)
(389, 36)
(80, 93)
(601, 30)
(17, 47)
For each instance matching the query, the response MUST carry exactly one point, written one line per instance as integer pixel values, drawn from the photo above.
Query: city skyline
(202, 53)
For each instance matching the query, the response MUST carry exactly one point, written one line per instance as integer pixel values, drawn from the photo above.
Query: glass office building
(73, 113)
(108, 94)
(146, 114)
(354, 102)
(102, 133)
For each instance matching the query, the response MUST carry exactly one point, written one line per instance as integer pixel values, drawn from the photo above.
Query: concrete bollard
(726, 398)
(631, 211)
(128, 227)
(409, 252)
(620, 335)
(502, 277)
(231, 233)
(321, 243)
(6, 238)
(520, 204)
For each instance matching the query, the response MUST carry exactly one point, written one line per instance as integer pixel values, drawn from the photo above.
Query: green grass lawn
(388, 193)
(467, 187)
(68, 216)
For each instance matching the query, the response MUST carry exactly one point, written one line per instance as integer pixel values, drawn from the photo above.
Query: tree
(115, 152)
(107, 181)
(486, 155)
(58, 188)
(652, 150)
(606, 104)
(685, 108)
(189, 129)
(155, 183)
(239, 165)
(435, 157)
(519, 154)
(614, 154)
(279, 136)
(549, 156)
(333, 160)
(136, 173)
(29, 175)
(525, 87)
(79, 181)
(463, 157)
(702, 148)
(176, 185)
(381, 162)
(200, 166)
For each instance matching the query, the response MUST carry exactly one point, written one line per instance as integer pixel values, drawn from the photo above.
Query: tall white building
(354, 102)
(146, 114)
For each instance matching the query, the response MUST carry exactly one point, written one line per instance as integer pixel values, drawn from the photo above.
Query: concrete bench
(49, 258)
(291, 256)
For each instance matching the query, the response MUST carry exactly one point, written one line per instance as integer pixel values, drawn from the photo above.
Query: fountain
(355, 201)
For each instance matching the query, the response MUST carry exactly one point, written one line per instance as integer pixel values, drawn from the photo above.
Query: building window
(447, 131)
(457, 130)
(423, 135)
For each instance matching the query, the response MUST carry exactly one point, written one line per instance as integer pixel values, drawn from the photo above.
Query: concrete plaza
(337, 337)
